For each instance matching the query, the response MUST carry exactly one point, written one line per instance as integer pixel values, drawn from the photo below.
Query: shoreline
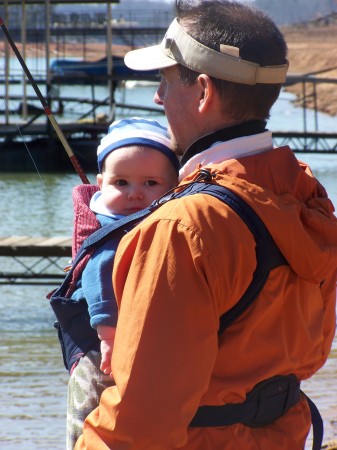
(91, 51)
(310, 49)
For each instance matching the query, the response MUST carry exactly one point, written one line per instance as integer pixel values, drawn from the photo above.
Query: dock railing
(34, 260)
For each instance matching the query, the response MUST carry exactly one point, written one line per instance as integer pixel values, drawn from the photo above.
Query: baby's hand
(106, 350)
(107, 337)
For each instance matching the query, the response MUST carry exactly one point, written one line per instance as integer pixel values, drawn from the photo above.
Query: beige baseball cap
(178, 47)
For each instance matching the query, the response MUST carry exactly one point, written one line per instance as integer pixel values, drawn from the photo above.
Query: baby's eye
(121, 182)
(150, 183)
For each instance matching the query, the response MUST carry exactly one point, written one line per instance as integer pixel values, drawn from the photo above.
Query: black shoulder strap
(267, 254)
(268, 257)
(103, 233)
(116, 228)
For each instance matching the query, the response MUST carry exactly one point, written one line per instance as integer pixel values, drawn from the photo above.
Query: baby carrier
(268, 400)
(73, 321)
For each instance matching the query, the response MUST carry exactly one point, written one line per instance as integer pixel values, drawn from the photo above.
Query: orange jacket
(183, 267)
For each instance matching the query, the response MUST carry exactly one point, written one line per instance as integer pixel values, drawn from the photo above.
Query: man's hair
(215, 22)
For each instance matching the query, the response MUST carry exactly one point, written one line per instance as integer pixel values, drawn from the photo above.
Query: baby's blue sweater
(95, 285)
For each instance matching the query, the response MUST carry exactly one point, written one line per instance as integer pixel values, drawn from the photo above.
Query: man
(222, 65)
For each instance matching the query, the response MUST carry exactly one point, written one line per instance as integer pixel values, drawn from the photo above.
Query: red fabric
(85, 223)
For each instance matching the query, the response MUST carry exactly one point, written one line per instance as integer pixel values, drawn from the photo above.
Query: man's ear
(206, 91)
(99, 178)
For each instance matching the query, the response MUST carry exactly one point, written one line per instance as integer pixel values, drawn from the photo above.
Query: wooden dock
(35, 246)
(34, 260)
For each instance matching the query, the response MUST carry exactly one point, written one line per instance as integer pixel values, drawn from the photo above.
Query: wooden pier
(31, 143)
(34, 260)
(35, 246)
(84, 134)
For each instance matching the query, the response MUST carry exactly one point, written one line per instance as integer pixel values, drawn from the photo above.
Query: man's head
(238, 52)
(136, 165)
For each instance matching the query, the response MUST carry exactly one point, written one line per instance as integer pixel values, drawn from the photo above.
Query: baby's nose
(135, 192)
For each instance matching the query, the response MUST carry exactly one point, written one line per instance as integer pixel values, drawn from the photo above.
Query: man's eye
(121, 183)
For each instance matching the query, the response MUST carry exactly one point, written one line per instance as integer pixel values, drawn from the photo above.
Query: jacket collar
(225, 134)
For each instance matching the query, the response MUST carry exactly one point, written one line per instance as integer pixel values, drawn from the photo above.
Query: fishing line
(25, 143)
(45, 106)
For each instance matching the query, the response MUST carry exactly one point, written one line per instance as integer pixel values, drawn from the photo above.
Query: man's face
(180, 103)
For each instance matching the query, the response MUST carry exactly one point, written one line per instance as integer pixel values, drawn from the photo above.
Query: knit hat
(136, 131)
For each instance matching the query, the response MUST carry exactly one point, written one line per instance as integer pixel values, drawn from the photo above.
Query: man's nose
(157, 98)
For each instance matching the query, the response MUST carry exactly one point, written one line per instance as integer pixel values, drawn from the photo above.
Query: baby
(136, 166)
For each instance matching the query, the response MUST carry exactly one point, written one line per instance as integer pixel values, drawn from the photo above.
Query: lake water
(33, 380)
(285, 116)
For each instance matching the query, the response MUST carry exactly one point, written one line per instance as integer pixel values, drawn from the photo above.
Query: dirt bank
(313, 49)
(89, 51)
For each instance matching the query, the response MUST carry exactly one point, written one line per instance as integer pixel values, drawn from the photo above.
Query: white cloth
(232, 149)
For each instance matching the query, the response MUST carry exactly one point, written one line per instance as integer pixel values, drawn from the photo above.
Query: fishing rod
(45, 106)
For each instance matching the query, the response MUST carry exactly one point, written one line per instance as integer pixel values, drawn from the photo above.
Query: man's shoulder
(199, 211)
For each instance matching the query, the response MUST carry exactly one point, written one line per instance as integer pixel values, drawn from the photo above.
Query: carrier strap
(271, 398)
(317, 424)
(265, 403)
(117, 228)
(268, 256)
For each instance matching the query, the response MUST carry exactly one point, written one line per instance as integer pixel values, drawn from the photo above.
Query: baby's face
(133, 178)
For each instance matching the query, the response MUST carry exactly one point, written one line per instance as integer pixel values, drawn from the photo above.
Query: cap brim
(149, 58)
(178, 47)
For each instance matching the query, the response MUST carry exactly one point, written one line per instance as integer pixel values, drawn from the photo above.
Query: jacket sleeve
(167, 284)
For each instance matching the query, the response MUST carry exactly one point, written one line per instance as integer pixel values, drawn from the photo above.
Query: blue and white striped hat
(136, 131)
